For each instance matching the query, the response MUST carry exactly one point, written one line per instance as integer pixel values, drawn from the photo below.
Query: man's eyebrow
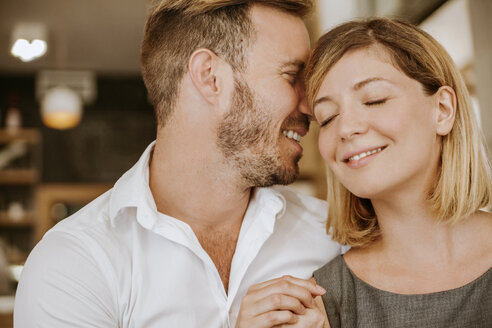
(298, 63)
(365, 82)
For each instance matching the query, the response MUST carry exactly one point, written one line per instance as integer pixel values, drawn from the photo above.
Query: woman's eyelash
(325, 122)
(367, 103)
(375, 102)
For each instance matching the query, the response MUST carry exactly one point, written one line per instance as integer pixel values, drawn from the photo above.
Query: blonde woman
(408, 177)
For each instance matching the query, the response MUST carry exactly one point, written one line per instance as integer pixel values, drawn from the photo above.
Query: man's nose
(303, 106)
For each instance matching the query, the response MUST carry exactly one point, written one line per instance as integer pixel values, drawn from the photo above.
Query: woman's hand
(283, 301)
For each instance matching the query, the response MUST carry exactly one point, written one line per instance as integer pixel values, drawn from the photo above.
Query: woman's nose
(351, 123)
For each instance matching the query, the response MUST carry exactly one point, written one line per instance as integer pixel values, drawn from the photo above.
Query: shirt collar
(270, 200)
(132, 190)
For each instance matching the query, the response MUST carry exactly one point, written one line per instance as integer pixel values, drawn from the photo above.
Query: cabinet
(20, 170)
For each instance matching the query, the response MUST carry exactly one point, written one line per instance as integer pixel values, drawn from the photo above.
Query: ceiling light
(62, 94)
(29, 41)
(61, 108)
(27, 51)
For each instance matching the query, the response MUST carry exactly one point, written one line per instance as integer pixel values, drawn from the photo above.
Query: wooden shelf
(19, 176)
(26, 135)
(16, 257)
(26, 222)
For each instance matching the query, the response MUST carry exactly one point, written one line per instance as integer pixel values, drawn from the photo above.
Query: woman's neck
(411, 232)
(416, 254)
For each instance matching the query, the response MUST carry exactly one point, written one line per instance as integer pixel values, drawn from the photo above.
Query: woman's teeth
(292, 135)
(362, 155)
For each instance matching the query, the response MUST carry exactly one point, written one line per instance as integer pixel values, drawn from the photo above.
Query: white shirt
(118, 262)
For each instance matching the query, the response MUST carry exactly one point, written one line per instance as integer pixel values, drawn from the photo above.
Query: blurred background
(74, 113)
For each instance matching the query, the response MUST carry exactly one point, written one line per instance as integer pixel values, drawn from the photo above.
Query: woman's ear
(446, 111)
(203, 71)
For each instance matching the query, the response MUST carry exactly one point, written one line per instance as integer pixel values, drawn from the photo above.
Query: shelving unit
(20, 170)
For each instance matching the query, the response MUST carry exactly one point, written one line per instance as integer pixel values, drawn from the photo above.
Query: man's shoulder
(304, 211)
(94, 229)
(88, 236)
(93, 216)
(303, 204)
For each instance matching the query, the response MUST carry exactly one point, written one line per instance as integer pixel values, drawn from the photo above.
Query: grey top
(350, 302)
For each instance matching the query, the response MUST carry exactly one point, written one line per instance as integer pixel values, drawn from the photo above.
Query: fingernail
(320, 289)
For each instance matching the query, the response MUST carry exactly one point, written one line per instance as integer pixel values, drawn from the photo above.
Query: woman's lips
(362, 157)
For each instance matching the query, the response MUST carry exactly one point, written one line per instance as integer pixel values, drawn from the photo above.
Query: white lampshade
(61, 108)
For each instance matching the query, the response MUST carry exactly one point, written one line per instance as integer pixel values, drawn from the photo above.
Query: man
(183, 235)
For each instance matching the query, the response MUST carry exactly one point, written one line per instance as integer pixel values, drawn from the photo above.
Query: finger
(275, 319)
(280, 302)
(310, 284)
(282, 287)
(312, 318)
(264, 284)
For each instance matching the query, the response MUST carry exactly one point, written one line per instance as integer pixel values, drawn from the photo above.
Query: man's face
(262, 130)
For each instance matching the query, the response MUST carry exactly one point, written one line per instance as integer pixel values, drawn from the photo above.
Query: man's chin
(281, 176)
(284, 176)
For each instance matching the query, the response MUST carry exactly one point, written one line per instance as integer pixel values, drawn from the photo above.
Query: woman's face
(378, 127)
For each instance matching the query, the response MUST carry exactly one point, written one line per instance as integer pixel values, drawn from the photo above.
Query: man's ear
(203, 69)
(446, 111)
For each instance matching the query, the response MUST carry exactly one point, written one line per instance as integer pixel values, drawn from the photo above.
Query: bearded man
(183, 235)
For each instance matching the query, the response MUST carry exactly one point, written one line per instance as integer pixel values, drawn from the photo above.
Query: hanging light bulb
(61, 108)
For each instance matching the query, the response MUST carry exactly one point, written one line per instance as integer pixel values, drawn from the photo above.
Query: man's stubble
(247, 137)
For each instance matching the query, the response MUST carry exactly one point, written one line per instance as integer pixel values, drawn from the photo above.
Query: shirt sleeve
(62, 286)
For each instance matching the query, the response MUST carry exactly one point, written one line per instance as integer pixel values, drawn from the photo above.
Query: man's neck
(202, 194)
(194, 191)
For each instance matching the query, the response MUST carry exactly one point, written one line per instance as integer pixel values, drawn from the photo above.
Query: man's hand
(282, 301)
(312, 318)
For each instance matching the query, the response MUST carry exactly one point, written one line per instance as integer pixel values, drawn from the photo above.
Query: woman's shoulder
(335, 277)
(332, 269)
(340, 296)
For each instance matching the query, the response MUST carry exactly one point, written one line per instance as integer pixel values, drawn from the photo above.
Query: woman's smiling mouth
(355, 159)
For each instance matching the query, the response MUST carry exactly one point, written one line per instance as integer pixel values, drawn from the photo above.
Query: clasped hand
(282, 302)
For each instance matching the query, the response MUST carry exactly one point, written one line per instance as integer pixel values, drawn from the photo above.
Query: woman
(408, 175)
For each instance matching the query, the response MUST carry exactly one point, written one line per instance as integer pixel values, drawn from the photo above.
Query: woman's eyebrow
(365, 82)
(321, 100)
(357, 86)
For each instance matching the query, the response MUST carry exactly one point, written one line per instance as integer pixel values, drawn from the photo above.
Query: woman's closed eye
(327, 121)
(375, 102)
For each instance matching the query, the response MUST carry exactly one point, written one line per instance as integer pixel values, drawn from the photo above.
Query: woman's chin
(364, 192)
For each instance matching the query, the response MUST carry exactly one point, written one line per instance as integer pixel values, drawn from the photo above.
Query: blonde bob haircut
(464, 183)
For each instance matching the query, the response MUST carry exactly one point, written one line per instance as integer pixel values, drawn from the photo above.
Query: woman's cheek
(326, 147)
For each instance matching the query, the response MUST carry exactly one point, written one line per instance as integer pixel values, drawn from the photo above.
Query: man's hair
(464, 182)
(176, 28)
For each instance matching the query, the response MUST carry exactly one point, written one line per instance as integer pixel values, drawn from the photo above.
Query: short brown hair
(176, 28)
(464, 183)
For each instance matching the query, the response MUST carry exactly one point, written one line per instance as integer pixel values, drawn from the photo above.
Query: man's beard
(246, 136)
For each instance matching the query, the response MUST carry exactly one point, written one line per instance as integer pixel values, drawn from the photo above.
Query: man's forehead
(268, 18)
(280, 35)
